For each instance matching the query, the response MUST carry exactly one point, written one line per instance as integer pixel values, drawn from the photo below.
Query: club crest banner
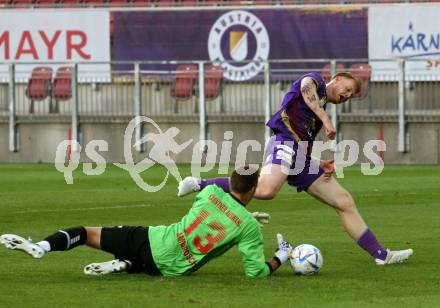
(240, 40)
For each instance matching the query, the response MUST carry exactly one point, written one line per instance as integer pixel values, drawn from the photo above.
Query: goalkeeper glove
(284, 250)
(261, 217)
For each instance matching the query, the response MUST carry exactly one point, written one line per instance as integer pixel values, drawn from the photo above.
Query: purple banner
(240, 35)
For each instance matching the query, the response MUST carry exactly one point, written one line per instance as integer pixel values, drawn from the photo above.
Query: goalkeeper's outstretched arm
(273, 264)
(252, 251)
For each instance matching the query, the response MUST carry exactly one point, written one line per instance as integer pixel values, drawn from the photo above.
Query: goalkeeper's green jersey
(216, 222)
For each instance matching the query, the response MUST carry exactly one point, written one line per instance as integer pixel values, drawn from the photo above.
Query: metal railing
(184, 91)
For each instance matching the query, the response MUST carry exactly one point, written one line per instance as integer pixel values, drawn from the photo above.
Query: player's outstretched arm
(311, 98)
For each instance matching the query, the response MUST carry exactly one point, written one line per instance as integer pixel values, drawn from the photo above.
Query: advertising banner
(247, 36)
(53, 37)
(407, 32)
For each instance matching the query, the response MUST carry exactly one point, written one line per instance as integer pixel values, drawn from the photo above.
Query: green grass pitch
(402, 206)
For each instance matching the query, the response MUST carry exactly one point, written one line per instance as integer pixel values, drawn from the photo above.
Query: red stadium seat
(363, 72)
(92, 3)
(183, 85)
(70, 3)
(303, 2)
(22, 3)
(39, 85)
(213, 81)
(239, 2)
(186, 75)
(326, 71)
(47, 2)
(263, 2)
(141, 2)
(188, 2)
(215, 2)
(62, 85)
(166, 2)
(120, 3)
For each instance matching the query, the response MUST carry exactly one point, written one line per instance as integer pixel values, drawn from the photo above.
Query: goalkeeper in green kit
(216, 222)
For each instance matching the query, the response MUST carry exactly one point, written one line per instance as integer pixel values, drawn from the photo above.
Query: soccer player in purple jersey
(288, 157)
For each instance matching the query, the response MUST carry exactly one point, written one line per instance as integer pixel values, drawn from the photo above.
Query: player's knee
(93, 236)
(345, 203)
(267, 193)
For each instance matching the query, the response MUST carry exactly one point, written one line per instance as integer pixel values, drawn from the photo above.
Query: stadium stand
(62, 85)
(189, 2)
(213, 81)
(214, 84)
(39, 86)
(22, 2)
(93, 2)
(140, 2)
(362, 71)
(326, 71)
(183, 84)
(170, 3)
(45, 2)
(166, 2)
(69, 3)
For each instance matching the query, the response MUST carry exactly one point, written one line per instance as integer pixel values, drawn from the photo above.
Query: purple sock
(223, 183)
(370, 244)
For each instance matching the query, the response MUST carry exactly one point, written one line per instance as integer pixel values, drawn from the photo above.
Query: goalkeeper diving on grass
(216, 222)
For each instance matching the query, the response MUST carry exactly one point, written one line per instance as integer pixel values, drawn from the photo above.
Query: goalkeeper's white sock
(45, 245)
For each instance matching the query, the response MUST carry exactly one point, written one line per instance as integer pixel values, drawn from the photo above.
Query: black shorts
(131, 244)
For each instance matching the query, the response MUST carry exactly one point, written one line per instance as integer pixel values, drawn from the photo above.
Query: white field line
(92, 208)
(56, 191)
(354, 195)
(280, 198)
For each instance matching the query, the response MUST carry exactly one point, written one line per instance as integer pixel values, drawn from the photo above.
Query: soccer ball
(306, 259)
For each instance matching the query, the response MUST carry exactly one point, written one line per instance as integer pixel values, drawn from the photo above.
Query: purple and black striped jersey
(295, 120)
